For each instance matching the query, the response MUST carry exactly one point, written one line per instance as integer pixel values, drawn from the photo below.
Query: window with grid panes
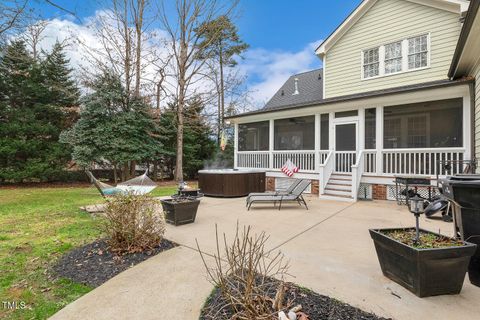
(371, 63)
(417, 52)
(393, 57)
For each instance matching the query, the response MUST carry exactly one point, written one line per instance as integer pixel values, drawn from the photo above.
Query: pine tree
(63, 90)
(29, 147)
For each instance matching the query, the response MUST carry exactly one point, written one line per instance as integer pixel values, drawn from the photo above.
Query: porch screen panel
(295, 133)
(324, 130)
(436, 124)
(253, 136)
(370, 128)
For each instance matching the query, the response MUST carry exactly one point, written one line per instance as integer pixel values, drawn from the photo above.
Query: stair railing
(357, 172)
(326, 169)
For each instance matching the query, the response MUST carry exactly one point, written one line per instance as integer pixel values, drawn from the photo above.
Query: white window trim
(381, 53)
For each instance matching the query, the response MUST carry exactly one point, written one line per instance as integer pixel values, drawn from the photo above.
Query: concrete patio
(330, 252)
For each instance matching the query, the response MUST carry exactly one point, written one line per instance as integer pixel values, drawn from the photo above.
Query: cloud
(267, 70)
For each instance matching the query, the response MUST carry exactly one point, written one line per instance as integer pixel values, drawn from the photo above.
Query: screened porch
(409, 139)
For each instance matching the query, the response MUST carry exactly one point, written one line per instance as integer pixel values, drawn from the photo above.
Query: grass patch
(37, 226)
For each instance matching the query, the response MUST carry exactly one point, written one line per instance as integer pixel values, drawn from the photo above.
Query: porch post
(331, 130)
(317, 142)
(235, 146)
(467, 128)
(379, 139)
(361, 129)
(271, 142)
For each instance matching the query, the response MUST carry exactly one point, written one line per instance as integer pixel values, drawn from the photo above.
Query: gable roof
(468, 42)
(310, 89)
(456, 6)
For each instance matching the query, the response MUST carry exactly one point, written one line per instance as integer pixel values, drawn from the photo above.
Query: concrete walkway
(330, 251)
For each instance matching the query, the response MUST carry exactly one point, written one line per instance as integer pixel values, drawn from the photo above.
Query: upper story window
(371, 63)
(393, 57)
(418, 52)
(396, 57)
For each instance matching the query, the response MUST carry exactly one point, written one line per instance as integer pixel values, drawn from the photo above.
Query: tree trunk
(222, 90)
(133, 165)
(125, 171)
(138, 29)
(155, 170)
(115, 174)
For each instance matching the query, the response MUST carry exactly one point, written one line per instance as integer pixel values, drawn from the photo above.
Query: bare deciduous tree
(188, 45)
(12, 16)
(34, 35)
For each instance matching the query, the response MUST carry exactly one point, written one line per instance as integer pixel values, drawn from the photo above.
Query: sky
(282, 34)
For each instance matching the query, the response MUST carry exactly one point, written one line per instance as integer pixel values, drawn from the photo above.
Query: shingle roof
(362, 95)
(310, 89)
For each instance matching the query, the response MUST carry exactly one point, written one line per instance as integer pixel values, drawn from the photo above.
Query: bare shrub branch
(249, 278)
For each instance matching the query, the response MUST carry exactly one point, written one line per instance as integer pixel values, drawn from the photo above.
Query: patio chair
(282, 192)
(295, 195)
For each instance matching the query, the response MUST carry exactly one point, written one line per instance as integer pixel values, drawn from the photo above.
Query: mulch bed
(316, 306)
(93, 264)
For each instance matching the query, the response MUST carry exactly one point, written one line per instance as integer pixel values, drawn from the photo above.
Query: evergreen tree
(112, 128)
(30, 122)
(198, 143)
(63, 90)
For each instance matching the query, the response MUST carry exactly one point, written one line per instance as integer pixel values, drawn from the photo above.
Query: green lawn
(38, 225)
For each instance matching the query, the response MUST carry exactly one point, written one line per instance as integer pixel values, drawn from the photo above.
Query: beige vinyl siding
(388, 21)
(476, 73)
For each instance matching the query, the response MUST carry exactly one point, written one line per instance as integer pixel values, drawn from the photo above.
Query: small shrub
(244, 272)
(134, 223)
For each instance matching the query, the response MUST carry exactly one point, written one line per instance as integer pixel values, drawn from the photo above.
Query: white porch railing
(344, 160)
(304, 160)
(370, 161)
(253, 159)
(421, 161)
(427, 162)
(326, 169)
(322, 156)
(357, 173)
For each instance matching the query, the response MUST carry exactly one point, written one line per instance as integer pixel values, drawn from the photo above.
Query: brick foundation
(379, 192)
(270, 184)
(315, 187)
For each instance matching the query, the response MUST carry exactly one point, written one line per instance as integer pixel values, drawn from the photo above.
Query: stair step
(338, 192)
(341, 174)
(338, 187)
(339, 180)
(337, 195)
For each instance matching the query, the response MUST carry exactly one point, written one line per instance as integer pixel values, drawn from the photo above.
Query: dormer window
(393, 57)
(418, 52)
(371, 63)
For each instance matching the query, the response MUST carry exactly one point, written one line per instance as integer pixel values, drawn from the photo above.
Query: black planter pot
(425, 272)
(179, 213)
(464, 190)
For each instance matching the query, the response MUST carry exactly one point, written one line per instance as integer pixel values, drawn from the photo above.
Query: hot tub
(230, 182)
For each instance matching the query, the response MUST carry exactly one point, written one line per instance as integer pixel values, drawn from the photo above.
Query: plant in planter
(180, 210)
(424, 262)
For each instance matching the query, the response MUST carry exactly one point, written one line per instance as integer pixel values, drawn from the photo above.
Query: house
(382, 105)
(466, 63)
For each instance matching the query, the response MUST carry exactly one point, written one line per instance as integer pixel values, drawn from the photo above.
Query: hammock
(139, 185)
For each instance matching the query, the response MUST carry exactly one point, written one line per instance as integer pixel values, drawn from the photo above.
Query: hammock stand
(139, 185)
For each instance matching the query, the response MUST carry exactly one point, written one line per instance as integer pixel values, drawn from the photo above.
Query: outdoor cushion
(111, 191)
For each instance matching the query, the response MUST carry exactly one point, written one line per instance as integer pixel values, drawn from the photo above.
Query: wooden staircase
(339, 187)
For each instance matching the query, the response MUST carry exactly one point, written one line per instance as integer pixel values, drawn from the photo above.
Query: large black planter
(425, 272)
(464, 191)
(178, 213)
